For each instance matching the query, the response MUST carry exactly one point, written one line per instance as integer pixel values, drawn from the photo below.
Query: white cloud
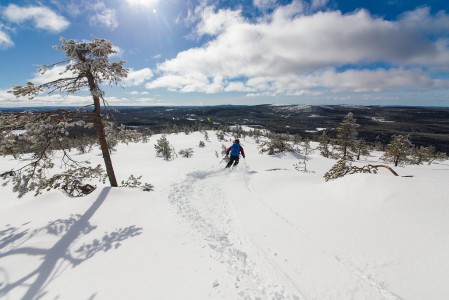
(96, 12)
(9, 100)
(42, 17)
(291, 53)
(237, 86)
(51, 74)
(5, 40)
(72, 8)
(264, 4)
(215, 23)
(191, 83)
(106, 17)
(378, 80)
(119, 52)
(330, 80)
(316, 4)
(138, 77)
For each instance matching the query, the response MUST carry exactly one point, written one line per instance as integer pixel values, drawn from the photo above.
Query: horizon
(216, 105)
(239, 52)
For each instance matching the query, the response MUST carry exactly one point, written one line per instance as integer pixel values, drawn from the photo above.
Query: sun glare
(143, 2)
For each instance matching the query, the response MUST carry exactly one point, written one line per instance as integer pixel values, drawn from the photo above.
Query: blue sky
(204, 52)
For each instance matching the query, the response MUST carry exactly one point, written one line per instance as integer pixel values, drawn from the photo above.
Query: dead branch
(8, 174)
(369, 169)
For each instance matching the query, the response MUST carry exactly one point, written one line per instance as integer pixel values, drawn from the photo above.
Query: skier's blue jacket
(235, 150)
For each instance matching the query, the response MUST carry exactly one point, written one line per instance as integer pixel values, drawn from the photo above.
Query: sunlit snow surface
(260, 231)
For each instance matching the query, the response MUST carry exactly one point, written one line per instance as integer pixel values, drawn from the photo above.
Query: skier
(235, 150)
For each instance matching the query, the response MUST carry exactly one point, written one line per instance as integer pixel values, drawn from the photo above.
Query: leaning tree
(87, 65)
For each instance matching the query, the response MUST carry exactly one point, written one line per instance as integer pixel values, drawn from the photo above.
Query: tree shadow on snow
(294, 154)
(70, 230)
(12, 234)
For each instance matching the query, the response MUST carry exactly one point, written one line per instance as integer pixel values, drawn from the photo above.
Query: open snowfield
(260, 231)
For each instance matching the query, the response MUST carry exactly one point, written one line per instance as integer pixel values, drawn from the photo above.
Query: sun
(143, 2)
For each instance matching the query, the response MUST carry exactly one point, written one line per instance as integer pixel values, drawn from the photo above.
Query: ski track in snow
(378, 287)
(200, 200)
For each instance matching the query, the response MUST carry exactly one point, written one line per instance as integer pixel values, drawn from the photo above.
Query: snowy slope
(260, 231)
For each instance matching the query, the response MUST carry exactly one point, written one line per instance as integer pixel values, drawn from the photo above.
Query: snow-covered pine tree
(11, 144)
(361, 148)
(163, 148)
(297, 139)
(86, 66)
(42, 134)
(186, 152)
(343, 167)
(324, 141)
(338, 170)
(220, 135)
(134, 182)
(421, 154)
(120, 134)
(438, 156)
(379, 146)
(276, 143)
(83, 144)
(398, 149)
(146, 134)
(346, 134)
(427, 154)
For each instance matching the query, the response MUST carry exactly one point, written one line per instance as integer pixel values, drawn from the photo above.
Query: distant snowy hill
(260, 231)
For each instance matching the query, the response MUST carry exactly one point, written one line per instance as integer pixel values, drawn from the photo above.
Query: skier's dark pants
(234, 159)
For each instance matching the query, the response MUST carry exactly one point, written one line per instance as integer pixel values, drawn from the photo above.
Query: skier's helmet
(237, 141)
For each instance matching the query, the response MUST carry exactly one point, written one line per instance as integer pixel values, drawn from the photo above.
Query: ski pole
(221, 161)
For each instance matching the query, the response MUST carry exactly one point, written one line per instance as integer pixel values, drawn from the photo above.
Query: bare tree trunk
(99, 126)
(368, 168)
(387, 167)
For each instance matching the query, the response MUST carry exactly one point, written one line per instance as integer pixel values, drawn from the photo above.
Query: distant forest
(425, 126)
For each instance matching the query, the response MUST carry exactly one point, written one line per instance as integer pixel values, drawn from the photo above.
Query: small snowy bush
(186, 152)
(163, 148)
(134, 182)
